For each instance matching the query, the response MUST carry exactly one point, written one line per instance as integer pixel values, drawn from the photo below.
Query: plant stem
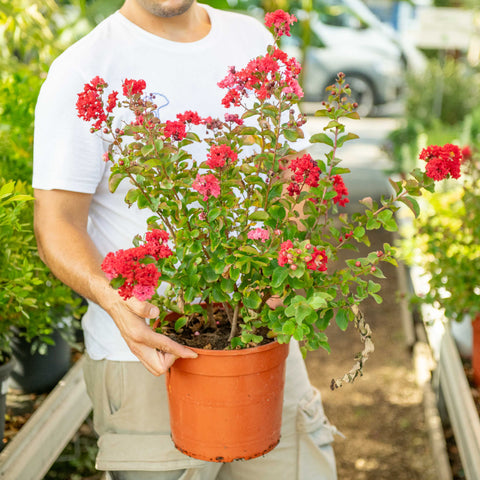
(233, 330)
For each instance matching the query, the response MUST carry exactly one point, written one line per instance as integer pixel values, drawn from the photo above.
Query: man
(181, 49)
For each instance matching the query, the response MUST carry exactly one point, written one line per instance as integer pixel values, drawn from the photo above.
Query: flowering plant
(254, 220)
(444, 241)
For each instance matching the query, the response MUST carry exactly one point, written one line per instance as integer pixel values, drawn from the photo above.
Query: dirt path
(381, 414)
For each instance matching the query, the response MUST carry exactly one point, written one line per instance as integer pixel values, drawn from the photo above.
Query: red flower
(206, 185)
(175, 130)
(138, 278)
(318, 261)
(219, 155)
(281, 22)
(90, 105)
(283, 254)
(190, 117)
(262, 75)
(112, 101)
(341, 190)
(442, 162)
(234, 118)
(306, 171)
(133, 87)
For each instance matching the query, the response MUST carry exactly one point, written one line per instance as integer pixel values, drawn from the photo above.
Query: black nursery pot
(39, 373)
(5, 371)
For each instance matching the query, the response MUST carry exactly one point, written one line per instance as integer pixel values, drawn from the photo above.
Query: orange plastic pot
(226, 405)
(476, 350)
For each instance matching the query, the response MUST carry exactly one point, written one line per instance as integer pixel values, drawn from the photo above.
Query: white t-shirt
(67, 156)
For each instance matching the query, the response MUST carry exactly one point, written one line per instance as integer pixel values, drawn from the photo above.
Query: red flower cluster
(442, 162)
(133, 87)
(306, 172)
(341, 189)
(264, 75)
(281, 22)
(112, 101)
(175, 130)
(283, 257)
(190, 117)
(315, 260)
(140, 278)
(90, 105)
(219, 155)
(207, 185)
(318, 261)
(234, 118)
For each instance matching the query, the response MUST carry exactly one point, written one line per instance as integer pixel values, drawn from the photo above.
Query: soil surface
(381, 413)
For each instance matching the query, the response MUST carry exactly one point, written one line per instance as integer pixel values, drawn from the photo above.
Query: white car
(347, 40)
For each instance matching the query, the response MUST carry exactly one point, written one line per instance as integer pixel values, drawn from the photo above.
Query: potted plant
(443, 241)
(34, 305)
(243, 239)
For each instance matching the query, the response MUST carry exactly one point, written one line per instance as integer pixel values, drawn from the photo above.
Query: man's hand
(157, 352)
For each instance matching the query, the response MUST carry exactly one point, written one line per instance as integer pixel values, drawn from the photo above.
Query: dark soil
(198, 332)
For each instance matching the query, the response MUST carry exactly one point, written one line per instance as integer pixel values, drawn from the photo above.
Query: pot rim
(242, 351)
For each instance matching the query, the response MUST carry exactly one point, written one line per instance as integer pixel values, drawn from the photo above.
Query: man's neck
(190, 26)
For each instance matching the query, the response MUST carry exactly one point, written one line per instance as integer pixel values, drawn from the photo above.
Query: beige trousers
(132, 421)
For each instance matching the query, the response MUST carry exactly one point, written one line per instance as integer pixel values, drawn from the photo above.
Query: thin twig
(361, 357)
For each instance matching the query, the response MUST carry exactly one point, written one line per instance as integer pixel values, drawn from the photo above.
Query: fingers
(157, 362)
(142, 309)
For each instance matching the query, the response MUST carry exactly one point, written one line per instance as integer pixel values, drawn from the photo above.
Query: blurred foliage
(443, 240)
(438, 103)
(32, 301)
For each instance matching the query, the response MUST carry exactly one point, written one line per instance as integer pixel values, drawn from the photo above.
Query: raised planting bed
(31, 452)
(450, 382)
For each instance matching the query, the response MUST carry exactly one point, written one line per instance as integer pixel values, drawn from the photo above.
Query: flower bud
(379, 253)
(373, 269)
(293, 267)
(358, 263)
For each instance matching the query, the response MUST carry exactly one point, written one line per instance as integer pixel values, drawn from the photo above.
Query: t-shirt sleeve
(66, 155)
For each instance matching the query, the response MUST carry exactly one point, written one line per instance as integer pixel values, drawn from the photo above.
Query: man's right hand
(157, 352)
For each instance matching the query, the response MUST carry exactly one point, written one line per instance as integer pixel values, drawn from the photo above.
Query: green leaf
(277, 212)
(114, 181)
(321, 138)
(209, 274)
(412, 204)
(288, 327)
(279, 276)
(252, 300)
(258, 215)
(341, 318)
(147, 149)
(214, 213)
(181, 322)
(345, 138)
(319, 300)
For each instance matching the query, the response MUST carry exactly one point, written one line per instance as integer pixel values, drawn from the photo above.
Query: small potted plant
(243, 238)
